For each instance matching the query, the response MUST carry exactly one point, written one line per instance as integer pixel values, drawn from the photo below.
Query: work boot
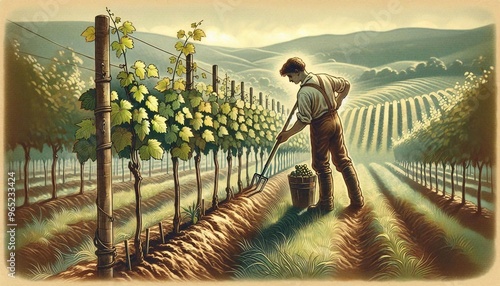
(353, 189)
(325, 202)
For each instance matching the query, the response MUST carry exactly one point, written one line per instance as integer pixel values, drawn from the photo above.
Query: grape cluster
(301, 171)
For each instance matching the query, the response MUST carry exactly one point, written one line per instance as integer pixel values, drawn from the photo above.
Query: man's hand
(283, 136)
(286, 134)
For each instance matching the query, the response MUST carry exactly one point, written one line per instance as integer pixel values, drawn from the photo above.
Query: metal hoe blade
(259, 181)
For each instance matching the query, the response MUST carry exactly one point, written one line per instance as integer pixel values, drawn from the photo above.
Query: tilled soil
(205, 251)
(210, 249)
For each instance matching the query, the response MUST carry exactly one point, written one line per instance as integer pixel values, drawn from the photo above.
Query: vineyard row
(372, 127)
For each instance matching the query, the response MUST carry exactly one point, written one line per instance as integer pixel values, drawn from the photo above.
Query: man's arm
(341, 95)
(296, 128)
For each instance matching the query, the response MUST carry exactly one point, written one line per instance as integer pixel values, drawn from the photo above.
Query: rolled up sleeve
(304, 107)
(339, 84)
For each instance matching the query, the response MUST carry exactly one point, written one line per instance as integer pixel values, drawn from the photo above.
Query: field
(405, 232)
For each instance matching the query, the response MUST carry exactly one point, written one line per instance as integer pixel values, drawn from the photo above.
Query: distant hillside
(373, 49)
(346, 55)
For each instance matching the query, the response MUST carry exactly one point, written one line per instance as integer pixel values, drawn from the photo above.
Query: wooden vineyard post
(229, 190)
(250, 96)
(233, 88)
(189, 71)
(277, 158)
(215, 196)
(103, 240)
(160, 226)
(127, 256)
(240, 149)
(146, 249)
(215, 78)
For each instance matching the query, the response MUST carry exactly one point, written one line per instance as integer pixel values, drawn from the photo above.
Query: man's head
(294, 69)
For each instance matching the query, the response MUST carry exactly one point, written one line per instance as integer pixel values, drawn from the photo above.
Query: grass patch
(477, 248)
(82, 253)
(290, 244)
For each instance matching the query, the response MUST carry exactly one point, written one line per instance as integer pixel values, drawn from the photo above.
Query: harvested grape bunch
(302, 171)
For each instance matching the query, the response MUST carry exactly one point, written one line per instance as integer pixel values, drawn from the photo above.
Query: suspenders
(321, 88)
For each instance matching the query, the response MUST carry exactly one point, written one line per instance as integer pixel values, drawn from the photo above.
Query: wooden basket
(302, 190)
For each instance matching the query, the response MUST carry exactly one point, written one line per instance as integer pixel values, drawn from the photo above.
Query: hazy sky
(247, 23)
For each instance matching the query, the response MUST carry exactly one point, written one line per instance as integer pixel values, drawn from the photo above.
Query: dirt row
(45, 209)
(45, 252)
(467, 214)
(205, 251)
(209, 250)
(451, 263)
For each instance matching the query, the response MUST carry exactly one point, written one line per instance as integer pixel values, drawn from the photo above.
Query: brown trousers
(327, 138)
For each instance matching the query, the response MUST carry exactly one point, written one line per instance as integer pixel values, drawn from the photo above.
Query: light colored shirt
(311, 103)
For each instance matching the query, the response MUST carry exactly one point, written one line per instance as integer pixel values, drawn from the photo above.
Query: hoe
(259, 181)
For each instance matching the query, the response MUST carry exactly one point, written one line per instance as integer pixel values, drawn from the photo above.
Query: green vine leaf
(179, 118)
(142, 129)
(140, 69)
(195, 101)
(159, 124)
(197, 121)
(186, 133)
(125, 78)
(176, 104)
(198, 34)
(181, 69)
(170, 137)
(222, 131)
(139, 114)
(120, 113)
(121, 138)
(152, 103)
(127, 28)
(180, 85)
(165, 110)
(87, 129)
(88, 99)
(208, 136)
(185, 49)
(225, 108)
(114, 95)
(139, 92)
(152, 71)
(89, 34)
(163, 84)
(222, 119)
(122, 46)
(85, 149)
(182, 152)
(151, 150)
(181, 34)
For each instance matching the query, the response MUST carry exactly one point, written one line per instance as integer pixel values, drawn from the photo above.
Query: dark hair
(293, 65)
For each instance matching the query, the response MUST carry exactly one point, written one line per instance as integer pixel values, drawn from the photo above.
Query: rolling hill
(346, 55)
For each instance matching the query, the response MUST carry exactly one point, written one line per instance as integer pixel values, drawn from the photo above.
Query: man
(317, 104)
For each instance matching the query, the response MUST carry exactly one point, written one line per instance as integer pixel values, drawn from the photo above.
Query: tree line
(462, 133)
